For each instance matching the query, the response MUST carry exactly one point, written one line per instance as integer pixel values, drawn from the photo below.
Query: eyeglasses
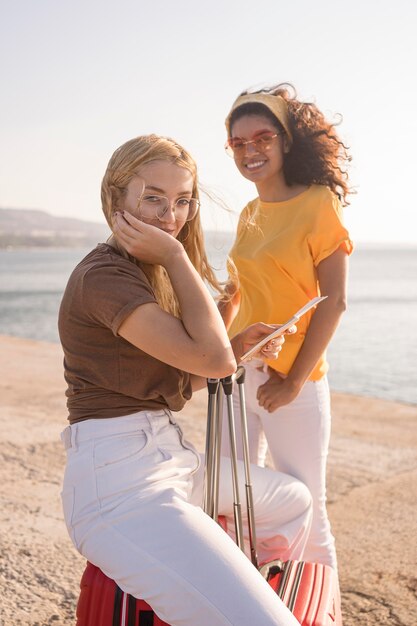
(236, 146)
(151, 206)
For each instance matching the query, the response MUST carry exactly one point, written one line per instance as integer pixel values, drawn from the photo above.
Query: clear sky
(80, 77)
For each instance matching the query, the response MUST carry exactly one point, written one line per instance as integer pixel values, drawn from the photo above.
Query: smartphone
(276, 333)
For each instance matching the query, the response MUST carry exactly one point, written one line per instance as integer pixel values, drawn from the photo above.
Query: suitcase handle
(217, 388)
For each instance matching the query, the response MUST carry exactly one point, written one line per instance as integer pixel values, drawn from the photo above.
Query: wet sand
(372, 495)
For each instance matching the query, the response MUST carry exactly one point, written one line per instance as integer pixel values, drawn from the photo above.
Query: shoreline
(372, 496)
(334, 392)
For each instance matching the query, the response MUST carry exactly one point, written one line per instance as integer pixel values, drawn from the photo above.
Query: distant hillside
(29, 228)
(33, 228)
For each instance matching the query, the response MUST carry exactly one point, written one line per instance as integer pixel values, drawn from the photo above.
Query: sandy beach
(372, 494)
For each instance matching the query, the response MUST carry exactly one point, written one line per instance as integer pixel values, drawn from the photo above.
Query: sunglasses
(236, 146)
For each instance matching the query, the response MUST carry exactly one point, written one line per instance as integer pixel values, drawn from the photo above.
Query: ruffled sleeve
(328, 233)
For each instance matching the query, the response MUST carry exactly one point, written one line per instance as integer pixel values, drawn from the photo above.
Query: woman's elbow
(341, 303)
(222, 365)
(228, 369)
(337, 302)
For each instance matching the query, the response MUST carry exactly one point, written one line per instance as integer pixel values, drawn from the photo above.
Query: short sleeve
(111, 291)
(328, 233)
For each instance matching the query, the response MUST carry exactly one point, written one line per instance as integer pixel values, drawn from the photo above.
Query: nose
(169, 216)
(250, 148)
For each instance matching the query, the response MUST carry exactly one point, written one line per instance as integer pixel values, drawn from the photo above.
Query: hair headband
(276, 104)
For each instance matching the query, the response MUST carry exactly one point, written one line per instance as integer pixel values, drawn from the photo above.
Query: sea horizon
(373, 353)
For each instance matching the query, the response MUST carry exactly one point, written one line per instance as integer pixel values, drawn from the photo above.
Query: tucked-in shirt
(277, 257)
(106, 375)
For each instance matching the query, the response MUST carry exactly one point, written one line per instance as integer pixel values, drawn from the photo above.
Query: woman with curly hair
(291, 246)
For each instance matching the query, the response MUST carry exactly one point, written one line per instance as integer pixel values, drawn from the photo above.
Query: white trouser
(131, 497)
(297, 436)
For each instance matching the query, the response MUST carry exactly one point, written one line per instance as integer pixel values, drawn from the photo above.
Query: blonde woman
(140, 331)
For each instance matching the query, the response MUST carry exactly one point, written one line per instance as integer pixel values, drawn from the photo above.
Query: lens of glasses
(264, 141)
(152, 207)
(235, 145)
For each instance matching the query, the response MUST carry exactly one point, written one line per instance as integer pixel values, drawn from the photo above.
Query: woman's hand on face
(145, 242)
(278, 391)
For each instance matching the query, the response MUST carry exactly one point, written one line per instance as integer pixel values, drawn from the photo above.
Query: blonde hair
(122, 167)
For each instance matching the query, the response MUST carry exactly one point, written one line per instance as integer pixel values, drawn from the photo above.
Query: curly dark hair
(317, 155)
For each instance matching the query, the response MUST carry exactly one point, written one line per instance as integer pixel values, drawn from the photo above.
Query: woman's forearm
(199, 314)
(320, 331)
(198, 341)
(332, 275)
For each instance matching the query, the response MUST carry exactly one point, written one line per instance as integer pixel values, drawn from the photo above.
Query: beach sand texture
(372, 494)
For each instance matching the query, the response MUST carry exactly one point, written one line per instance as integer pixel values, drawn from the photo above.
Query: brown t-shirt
(106, 375)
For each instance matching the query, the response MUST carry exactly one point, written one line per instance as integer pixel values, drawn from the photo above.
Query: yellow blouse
(277, 249)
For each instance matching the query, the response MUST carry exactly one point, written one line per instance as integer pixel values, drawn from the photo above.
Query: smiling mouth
(254, 165)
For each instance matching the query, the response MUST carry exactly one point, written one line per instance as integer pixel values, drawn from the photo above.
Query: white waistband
(92, 428)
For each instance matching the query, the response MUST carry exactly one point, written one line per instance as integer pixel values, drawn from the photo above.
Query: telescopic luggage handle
(212, 444)
(216, 389)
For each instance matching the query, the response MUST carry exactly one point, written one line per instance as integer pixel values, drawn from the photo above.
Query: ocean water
(373, 353)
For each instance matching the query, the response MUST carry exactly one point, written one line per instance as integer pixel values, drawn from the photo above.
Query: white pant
(131, 497)
(297, 436)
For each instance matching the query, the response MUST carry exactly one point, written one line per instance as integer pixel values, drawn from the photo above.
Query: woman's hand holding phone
(280, 329)
(256, 334)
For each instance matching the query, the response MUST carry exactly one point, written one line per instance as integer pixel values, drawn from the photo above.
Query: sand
(372, 495)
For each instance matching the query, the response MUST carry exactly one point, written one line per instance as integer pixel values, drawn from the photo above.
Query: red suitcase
(103, 603)
(309, 590)
(306, 588)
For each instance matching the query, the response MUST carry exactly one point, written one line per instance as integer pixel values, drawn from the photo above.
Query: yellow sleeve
(328, 233)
